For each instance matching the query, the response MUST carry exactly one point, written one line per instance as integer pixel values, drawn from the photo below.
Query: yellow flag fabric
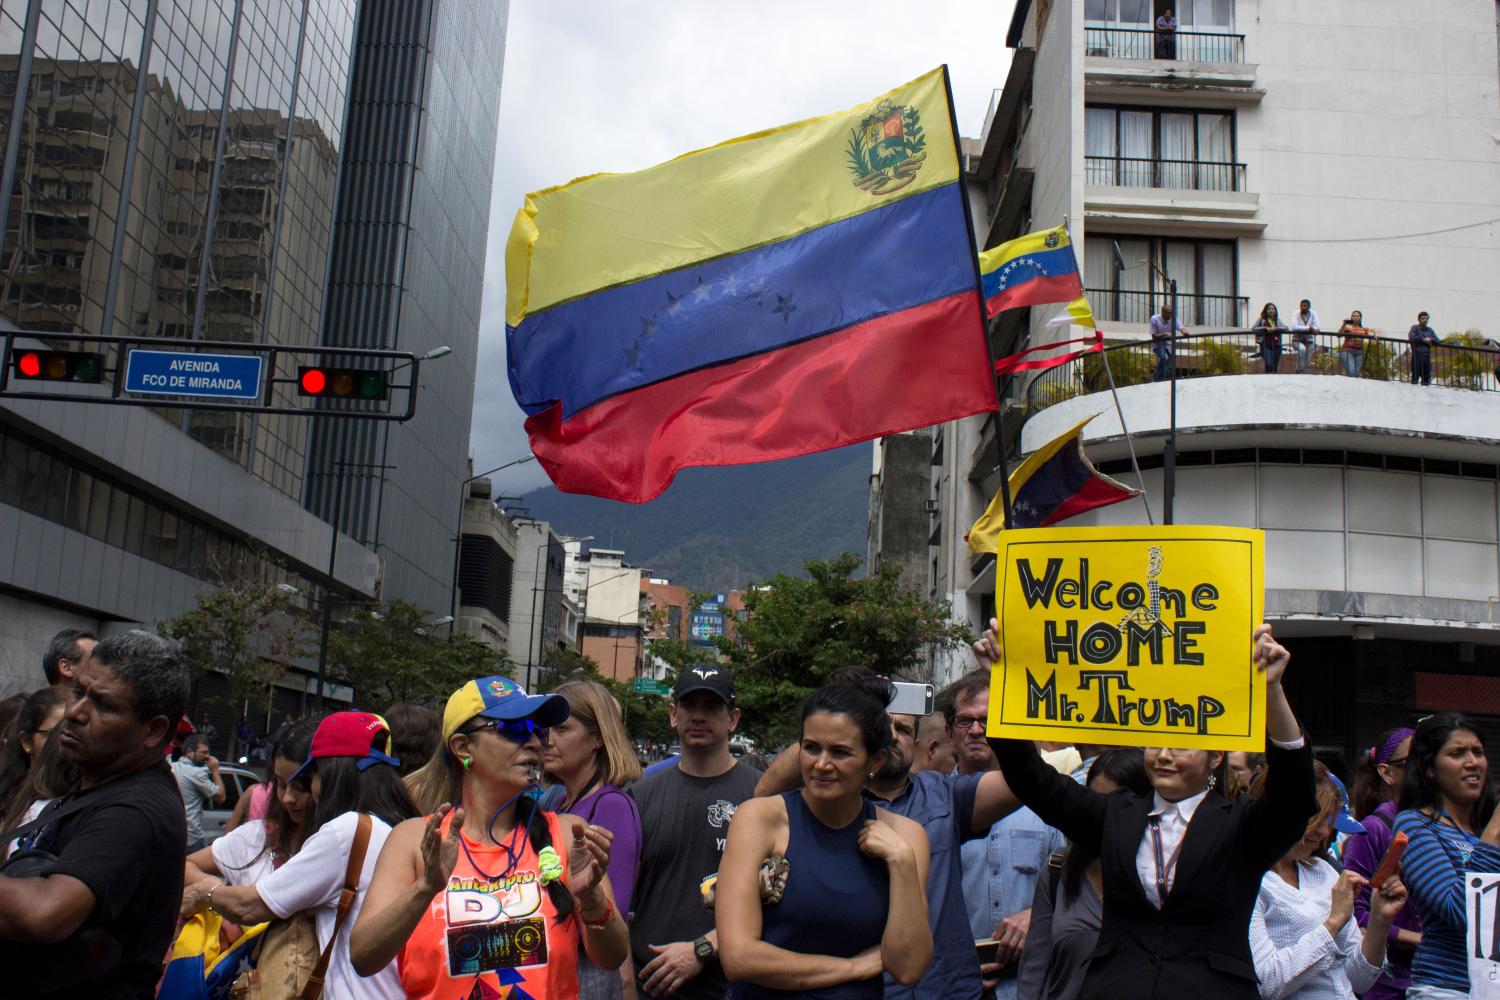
(1031, 243)
(1077, 313)
(607, 229)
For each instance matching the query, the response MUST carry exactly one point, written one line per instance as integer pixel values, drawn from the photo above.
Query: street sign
(645, 685)
(184, 373)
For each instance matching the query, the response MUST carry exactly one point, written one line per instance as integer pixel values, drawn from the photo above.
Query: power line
(1398, 236)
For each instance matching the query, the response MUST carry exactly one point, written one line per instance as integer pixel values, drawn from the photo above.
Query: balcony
(1141, 43)
(1186, 175)
(1193, 308)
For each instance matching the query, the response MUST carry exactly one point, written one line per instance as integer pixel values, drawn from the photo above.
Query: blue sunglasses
(515, 730)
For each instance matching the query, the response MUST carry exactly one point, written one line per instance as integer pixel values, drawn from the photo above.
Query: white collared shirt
(1175, 817)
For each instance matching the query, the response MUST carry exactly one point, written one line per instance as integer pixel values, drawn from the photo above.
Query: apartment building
(1268, 151)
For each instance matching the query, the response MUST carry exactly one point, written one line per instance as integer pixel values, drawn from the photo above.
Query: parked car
(237, 781)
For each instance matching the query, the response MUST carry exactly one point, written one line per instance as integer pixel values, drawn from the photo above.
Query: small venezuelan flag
(1030, 270)
(1055, 482)
(798, 289)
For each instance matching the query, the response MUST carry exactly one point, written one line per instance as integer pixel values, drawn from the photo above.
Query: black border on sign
(1003, 566)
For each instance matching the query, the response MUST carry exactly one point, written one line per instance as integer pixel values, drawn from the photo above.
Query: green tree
(389, 654)
(249, 632)
(645, 714)
(796, 632)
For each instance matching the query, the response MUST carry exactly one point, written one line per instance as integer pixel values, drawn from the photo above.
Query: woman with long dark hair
(1377, 783)
(1068, 903)
(258, 847)
(495, 893)
(39, 715)
(50, 777)
(590, 756)
(1447, 810)
(1268, 330)
(350, 773)
(855, 899)
(1181, 868)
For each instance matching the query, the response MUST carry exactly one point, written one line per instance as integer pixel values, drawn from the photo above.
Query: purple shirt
(612, 809)
(1362, 854)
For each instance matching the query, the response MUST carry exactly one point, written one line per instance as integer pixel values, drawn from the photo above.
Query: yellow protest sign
(1134, 636)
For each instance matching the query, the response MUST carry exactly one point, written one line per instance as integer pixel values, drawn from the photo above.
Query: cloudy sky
(619, 85)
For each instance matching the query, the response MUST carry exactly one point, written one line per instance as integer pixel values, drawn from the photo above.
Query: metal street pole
(1169, 460)
(458, 537)
(333, 551)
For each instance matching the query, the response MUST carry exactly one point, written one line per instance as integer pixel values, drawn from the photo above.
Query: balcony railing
(1188, 175)
(1385, 359)
(1183, 46)
(1193, 309)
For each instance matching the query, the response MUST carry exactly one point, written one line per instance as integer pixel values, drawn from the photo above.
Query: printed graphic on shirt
(720, 813)
(491, 924)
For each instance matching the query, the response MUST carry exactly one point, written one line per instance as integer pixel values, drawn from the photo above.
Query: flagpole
(984, 332)
(1129, 442)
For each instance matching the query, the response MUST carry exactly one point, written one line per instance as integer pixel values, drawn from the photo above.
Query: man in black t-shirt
(100, 923)
(685, 812)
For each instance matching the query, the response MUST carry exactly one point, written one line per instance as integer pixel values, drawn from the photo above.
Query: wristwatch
(704, 948)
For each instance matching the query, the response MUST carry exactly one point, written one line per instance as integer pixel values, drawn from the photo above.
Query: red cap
(363, 735)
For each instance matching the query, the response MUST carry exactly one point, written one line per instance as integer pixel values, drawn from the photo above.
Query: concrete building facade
(611, 633)
(1278, 151)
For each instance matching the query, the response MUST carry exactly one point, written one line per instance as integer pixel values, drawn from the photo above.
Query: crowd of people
(510, 845)
(1302, 330)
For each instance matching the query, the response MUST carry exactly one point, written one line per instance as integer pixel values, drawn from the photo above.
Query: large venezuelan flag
(1030, 270)
(795, 290)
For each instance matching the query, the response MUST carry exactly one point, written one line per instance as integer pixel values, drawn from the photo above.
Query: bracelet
(208, 900)
(603, 921)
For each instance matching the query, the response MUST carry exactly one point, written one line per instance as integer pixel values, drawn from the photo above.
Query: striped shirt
(1433, 868)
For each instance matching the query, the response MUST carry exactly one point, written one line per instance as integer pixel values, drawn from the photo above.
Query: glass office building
(216, 169)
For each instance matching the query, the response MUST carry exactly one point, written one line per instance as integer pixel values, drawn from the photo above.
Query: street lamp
(1169, 454)
(458, 538)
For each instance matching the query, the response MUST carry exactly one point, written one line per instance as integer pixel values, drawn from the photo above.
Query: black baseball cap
(705, 677)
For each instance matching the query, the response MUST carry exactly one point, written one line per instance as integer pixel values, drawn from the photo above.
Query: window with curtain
(1205, 272)
(1139, 147)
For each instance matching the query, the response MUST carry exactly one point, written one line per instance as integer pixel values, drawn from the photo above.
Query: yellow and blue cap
(500, 698)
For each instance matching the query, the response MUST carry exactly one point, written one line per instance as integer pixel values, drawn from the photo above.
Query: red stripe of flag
(1036, 292)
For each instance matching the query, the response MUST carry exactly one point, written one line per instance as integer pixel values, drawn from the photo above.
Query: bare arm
(782, 776)
(213, 772)
(906, 945)
(240, 903)
(241, 808)
(414, 865)
(200, 871)
(993, 801)
(737, 914)
(608, 944)
(43, 910)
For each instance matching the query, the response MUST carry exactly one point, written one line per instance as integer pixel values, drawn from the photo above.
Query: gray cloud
(602, 85)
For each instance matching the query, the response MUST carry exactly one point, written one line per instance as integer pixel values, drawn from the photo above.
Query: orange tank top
(492, 934)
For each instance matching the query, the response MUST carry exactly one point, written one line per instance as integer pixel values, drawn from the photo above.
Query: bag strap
(314, 987)
(66, 809)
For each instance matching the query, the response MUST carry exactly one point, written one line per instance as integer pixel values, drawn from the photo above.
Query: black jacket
(1197, 946)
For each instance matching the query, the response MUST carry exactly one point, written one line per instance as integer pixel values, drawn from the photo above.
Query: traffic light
(341, 383)
(59, 366)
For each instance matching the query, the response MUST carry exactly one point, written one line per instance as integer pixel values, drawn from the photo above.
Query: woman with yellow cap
(490, 894)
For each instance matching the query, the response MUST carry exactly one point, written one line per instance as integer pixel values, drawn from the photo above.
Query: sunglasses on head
(515, 730)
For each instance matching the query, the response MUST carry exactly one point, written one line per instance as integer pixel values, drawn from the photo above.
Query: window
(1125, 13)
(1206, 272)
(1146, 147)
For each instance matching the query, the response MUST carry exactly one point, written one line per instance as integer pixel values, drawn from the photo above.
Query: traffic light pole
(333, 552)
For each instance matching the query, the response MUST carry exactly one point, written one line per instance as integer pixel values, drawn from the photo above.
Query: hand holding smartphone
(1391, 863)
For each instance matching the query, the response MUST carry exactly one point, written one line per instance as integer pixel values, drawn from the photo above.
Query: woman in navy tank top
(855, 902)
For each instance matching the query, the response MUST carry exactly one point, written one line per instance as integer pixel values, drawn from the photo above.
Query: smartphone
(912, 698)
(989, 950)
(1391, 863)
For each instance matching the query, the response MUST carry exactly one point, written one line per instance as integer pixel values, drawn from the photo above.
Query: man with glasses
(999, 870)
(685, 813)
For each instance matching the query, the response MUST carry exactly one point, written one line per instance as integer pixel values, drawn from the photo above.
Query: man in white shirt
(1305, 329)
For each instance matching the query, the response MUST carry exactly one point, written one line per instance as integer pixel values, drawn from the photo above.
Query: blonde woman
(590, 756)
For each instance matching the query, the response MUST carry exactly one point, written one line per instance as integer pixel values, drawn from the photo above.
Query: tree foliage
(249, 632)
(391, 654)
(645, 714)
(796, 632)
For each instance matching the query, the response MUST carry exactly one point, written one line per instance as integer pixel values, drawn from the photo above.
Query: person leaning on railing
(1305, 330)
(1352, 351)
(1268, 330)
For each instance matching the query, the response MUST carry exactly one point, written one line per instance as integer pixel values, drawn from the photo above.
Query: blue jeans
(1271, 355)
(1304, 353)
(1353, 361)
(1163, 354)
(1421, 367)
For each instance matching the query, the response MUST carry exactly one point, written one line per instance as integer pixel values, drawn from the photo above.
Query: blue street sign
(183, 373)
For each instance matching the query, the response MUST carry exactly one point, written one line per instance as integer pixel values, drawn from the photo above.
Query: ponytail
(540, 833)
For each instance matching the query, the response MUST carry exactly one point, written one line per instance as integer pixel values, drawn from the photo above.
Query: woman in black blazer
(1207, 853)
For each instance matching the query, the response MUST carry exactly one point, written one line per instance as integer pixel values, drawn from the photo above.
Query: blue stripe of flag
(1019, 270)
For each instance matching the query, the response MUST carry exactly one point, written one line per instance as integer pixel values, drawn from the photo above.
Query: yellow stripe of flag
(606, 229)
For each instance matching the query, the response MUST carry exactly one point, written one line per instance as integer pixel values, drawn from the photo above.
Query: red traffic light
(342, 383)
(59, 366)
